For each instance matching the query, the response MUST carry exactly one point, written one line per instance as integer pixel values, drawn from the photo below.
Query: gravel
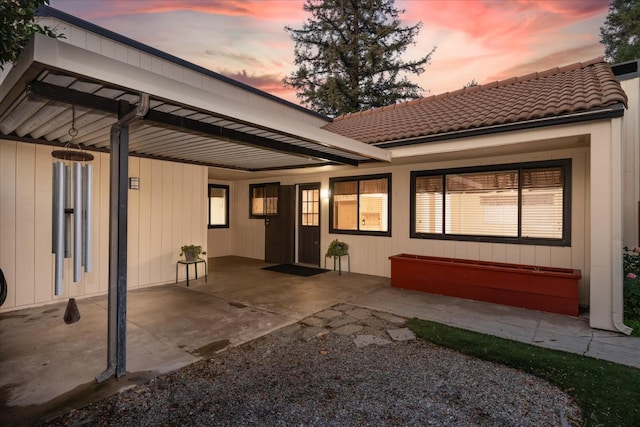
(306, 374)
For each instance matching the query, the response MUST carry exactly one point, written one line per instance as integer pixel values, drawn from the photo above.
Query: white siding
(161, 218)
(369, 254)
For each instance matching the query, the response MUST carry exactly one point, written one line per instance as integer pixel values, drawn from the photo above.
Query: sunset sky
(484, 40)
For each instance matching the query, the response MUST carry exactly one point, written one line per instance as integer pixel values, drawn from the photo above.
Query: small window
(521, 203)
(360, 205)
(218, 206)
(263, 200)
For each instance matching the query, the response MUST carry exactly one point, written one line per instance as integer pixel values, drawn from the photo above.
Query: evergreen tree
(349, 56)
(17, 27)
(621, 31)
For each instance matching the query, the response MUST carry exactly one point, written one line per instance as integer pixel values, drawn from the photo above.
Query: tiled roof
(574, 88)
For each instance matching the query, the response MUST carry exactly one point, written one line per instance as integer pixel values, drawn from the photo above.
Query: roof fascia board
(501, 140)
(75, 60)
(614, 111)
(21, 70)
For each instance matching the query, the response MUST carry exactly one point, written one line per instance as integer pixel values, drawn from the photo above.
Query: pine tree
(348, 56)
(621, 31)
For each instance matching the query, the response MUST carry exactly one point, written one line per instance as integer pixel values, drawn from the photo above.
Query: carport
(48, 367)
(144, 103)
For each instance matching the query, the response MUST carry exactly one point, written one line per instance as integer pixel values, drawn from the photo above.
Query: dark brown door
(309, 224)
(280, 225)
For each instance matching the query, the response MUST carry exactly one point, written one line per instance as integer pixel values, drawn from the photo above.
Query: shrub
(631, 266)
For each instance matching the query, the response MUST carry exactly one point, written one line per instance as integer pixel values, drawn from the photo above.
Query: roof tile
(572, 88)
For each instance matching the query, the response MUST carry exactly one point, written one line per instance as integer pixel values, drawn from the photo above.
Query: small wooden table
(195, 262)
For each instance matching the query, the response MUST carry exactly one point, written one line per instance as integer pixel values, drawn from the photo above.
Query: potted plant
(191, 252)
(337, 248)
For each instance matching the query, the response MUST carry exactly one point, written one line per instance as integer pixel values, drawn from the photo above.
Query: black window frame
(227, 200)
(251, 188)
(359, 178)
(564, 164)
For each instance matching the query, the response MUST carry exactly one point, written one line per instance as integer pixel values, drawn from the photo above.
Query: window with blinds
(218, 206)
(360, 205)
(528, 202)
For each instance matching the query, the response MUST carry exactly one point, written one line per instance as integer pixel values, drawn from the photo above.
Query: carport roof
(54, 83)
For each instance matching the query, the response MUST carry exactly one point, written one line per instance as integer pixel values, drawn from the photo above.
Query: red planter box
(534, 287)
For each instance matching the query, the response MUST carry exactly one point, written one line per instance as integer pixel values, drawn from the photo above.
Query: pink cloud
(557, 59)
(271, 83)
(503, 24)
(278, 9)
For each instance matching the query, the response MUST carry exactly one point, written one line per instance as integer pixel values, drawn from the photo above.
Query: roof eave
(47, 52)
(612, 111)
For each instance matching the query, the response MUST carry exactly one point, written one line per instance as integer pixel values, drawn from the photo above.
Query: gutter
(614, 111)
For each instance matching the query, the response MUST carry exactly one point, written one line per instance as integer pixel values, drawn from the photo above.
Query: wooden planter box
(534, 287)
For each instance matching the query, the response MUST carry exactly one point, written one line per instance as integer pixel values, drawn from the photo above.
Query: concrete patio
(48, 367)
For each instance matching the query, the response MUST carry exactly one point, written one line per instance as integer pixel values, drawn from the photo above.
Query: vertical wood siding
(167, 212)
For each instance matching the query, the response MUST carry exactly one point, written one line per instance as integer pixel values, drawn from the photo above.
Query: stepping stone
(343, 307)
(289, 330)
(347, 329)
(313, 321)
(328, 314)
(373, 322)
(312, 332)
(389, 317)
(402, 334)
(360, 313)
(365, 340)
(341, 321)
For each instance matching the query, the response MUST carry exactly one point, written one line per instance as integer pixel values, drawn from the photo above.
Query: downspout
(117, 297)
(617, 286)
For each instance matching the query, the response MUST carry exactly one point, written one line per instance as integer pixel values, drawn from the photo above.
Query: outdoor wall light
(324, 193)
(134, 183)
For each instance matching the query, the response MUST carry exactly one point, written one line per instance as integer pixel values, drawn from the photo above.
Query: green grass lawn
(608, 393)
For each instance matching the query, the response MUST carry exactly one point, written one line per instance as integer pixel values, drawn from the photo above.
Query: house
(542, 169)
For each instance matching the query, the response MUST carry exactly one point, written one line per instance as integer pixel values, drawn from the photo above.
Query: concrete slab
(401, 334)
(347, 329)
(389, 317)
(329, 314)
(566, 333)
(360, 313)
(48, 367)
(313, 321)
(341, 321)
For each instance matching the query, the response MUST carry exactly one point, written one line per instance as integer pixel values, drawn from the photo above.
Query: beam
(174, 122)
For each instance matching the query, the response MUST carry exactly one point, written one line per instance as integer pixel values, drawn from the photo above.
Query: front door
(309, 224)
(280, 224)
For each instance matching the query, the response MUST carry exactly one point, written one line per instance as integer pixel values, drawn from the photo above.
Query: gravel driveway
(342, 367)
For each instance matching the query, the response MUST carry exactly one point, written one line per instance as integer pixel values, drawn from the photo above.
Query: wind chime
(72, 195)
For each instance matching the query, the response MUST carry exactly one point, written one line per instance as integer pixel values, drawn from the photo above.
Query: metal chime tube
(58, 223)
(77, 222)
(67, 211)
(87, 189)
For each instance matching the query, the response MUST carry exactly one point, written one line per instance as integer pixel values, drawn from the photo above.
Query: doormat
(296, 270)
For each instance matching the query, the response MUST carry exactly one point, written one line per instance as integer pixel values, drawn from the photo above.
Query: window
(360, 205)
(218, 206)
(310, 203)
(520, 203)
(263, 199)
